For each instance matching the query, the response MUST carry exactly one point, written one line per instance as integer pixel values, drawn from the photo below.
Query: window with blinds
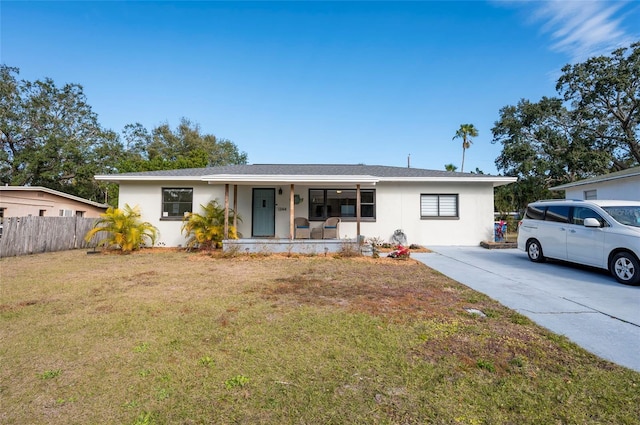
(438, 206)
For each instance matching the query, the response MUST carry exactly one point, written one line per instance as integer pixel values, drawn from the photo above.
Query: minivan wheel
(625, 268)
(534, 251)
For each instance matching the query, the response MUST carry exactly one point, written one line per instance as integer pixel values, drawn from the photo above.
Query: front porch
(286, 246)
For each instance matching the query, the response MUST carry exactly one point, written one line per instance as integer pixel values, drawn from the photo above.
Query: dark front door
(264, 213)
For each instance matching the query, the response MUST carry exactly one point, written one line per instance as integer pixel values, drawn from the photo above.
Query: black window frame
(439, 215)
(327, 210)
(181, 211)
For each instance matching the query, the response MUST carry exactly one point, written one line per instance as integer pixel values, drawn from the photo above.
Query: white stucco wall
(397, 207)
(149, 197)
(627, 189)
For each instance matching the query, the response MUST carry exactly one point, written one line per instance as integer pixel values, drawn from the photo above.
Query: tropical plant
(450, 167)
(465, 132)
(124, 229)
(206, 230)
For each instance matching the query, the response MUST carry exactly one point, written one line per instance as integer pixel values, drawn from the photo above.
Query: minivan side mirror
(591, 222)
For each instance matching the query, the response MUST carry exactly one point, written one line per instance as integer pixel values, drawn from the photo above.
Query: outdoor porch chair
(301, 228)
(331, 228)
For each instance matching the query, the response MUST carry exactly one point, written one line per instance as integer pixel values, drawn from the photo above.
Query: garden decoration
(399, 238)
(399, 252)
(500, 231)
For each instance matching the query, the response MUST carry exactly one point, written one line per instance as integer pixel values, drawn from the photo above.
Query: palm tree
(450, 167)
(465, 132)
(206, 230)
(124, 229)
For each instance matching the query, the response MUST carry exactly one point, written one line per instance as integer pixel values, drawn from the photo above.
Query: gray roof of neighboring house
(628, 173)
(302, 169)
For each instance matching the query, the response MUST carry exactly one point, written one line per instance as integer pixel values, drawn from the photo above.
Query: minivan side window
(534, 213)
(558, 213)
(580, 213)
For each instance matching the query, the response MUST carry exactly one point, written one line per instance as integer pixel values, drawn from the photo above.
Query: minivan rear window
(534, 213)
(559, 213)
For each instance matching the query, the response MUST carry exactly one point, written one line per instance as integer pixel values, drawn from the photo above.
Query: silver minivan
(598, 233)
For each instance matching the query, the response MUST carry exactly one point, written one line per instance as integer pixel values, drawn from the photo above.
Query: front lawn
(168, 337)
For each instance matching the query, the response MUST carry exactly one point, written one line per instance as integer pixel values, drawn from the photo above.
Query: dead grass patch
(164, 337)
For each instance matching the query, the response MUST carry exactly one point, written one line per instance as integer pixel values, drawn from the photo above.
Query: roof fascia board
(488, 179)
(248, 179)
(593, 181)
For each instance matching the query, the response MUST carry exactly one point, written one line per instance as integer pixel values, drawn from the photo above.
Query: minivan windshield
(628, 215)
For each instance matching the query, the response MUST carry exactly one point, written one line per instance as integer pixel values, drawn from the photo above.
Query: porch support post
(235, 207)
(291, 212)
(358, 213)
(226, 211)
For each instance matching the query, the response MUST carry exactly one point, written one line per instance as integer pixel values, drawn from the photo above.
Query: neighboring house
(23, 201)
(623, 184)
(431, 207)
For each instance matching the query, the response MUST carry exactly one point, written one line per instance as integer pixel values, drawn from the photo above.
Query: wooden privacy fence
(31, 235)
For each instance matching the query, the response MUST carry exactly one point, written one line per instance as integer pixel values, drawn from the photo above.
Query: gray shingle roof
(303, 169)
(628, 173)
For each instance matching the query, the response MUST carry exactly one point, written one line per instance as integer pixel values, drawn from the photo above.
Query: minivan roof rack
(560, 200)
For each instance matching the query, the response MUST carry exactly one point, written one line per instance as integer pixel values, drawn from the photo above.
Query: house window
(590, 194)
(79, 213)
(176, 202)
(432, 206)
(41, 213)
(325, 203)
(66, 213)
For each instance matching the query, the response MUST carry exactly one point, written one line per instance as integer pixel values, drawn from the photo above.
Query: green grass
(165, 337)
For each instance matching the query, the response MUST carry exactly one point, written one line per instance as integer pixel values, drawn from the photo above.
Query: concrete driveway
(586, 305)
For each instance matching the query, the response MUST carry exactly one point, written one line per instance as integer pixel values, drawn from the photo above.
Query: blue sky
(315, 82)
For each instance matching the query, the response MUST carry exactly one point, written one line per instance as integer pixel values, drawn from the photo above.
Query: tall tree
(450, 167)
(465, 132)
(540, 145)
(51, 137)
(592, 129)
(604, 92)
(185, 147)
